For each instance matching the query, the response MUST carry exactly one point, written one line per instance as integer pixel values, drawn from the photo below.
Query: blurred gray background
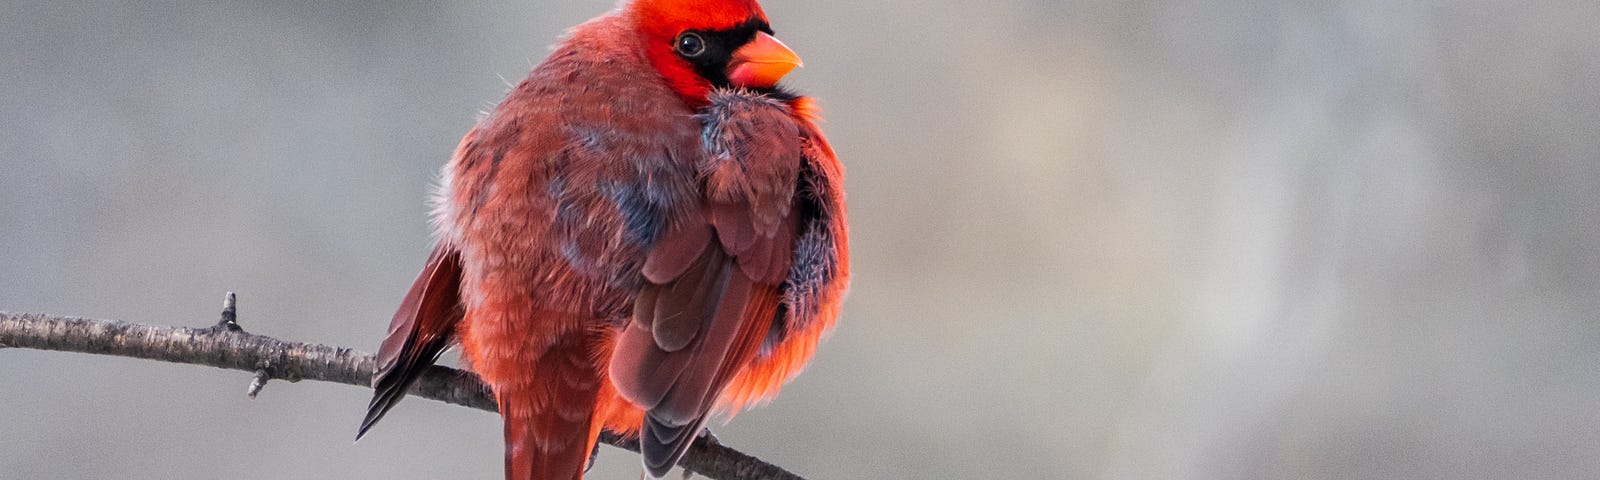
(1092, 239)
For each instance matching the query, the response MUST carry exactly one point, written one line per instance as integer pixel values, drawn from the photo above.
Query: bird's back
(578, 170)
(551, 201)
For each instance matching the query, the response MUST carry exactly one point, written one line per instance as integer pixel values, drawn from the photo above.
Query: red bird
(647, 230)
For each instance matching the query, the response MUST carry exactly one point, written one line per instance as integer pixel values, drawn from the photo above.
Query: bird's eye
(689, 44)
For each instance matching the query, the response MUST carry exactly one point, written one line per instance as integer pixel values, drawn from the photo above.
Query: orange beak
(761, 63)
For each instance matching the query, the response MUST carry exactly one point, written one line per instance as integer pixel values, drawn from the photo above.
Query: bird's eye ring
(689, 44)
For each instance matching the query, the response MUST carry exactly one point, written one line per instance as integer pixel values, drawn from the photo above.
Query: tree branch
(226, 345)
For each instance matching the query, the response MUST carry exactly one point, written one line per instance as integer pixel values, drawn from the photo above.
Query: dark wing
(421, 329)
(712, 285)
(818, 276)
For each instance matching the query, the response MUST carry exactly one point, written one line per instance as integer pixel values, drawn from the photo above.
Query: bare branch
(228, 346)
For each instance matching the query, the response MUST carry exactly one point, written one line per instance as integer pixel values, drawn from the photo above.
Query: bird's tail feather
(550, 426)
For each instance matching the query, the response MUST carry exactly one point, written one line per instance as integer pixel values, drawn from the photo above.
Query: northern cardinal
(646, 231)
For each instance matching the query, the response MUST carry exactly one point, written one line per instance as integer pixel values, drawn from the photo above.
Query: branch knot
(230, 314)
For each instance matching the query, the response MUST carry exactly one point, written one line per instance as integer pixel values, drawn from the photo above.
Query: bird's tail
(550, 424)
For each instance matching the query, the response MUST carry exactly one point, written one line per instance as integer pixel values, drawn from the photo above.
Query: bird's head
(698, 45)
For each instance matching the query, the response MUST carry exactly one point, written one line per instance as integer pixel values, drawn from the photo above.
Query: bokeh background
(1092, 239)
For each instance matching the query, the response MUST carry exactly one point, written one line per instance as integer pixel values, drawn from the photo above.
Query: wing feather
(713, 285)
(817, 277)
(421, 329)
